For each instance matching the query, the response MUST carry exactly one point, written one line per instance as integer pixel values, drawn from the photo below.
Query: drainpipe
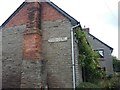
(73, 58)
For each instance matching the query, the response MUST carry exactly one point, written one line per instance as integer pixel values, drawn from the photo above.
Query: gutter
(73, 57)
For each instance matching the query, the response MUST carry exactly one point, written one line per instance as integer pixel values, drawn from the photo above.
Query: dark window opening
(100, 52)
(102, 68)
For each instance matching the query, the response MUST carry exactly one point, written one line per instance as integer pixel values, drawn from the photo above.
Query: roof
(14, 13)
(71, 19)
(102, 42)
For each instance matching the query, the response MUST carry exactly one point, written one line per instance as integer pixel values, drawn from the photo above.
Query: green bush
(110, 82)
(116, 64)
(88, 58)
(87, 85)
(104, 84)
(115, 81)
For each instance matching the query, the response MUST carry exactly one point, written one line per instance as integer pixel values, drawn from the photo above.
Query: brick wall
(32, 36)
(22, 17)
(32, 46)
(19, 19)
(78, 69)
(12, 43)
(0, 59)
(38, 59)
(32, 65)
(48, 13)
(57, 54)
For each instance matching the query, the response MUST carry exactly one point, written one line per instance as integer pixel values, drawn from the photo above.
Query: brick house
(104, 51)
(38, 48)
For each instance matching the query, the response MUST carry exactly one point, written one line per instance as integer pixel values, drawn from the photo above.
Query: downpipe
(73, 57)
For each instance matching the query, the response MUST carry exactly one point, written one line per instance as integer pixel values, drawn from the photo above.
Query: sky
(101, 16)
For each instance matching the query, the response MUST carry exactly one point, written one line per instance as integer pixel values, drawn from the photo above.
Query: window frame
(97, 50)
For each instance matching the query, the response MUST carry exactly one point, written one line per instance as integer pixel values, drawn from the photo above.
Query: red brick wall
(19, 19)
(48, 13)
(32, 37)
(31, 15)
(32, 44)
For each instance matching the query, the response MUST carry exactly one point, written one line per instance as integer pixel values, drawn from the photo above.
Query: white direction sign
(60, 39)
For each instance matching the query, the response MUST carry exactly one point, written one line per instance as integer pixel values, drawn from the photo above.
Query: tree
(116, 64)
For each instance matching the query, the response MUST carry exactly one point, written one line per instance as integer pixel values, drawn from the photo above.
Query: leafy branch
(88, 58)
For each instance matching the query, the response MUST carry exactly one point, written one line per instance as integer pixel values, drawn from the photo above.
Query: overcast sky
(101, 16)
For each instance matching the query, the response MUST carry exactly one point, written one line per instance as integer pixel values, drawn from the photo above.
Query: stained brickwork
(32, 46)
(32, 36)
(29, 57)
(33, 74)
(21, 18)
(32, 51)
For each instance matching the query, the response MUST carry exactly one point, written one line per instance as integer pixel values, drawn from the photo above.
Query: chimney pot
(86, 30)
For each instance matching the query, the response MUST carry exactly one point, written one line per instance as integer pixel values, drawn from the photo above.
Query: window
(102, 68)
(100, 52)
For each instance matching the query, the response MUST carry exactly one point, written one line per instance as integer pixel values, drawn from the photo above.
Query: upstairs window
(100, 52)
(102, 68)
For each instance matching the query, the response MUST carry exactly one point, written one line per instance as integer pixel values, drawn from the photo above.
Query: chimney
(86, 29)
(32, 35)
(36, 0)
(32, 76)
(32, 0)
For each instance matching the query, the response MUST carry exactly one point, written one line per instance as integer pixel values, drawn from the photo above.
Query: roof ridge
(37, 1)
(71, 19)
(101, 41)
